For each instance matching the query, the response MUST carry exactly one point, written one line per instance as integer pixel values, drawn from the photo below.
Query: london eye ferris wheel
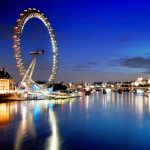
(18, 29)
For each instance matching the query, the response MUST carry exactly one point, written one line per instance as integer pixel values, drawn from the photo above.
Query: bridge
(126, 88)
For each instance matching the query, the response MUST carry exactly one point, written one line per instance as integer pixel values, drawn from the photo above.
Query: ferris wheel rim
(18, 29)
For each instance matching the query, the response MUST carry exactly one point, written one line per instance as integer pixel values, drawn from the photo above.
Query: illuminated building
(140, 82)
(6, 81)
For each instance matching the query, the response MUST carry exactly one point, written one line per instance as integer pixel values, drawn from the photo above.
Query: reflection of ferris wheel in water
(26, 75)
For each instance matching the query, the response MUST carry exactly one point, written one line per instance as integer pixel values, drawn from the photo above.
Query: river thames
(111, 121)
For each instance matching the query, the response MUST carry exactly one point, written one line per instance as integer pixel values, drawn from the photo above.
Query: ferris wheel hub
(37, 52)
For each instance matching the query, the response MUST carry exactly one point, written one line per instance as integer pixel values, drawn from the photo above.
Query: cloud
(124, 39)
(134, 62)
(87, 65)
(79, 66)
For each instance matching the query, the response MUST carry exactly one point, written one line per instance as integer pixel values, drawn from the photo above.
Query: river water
(95, 122)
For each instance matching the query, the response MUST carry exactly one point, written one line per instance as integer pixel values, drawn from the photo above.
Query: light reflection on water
(25, 125)
(5, 113)
(53, 141)
(52, 124)
(29, 112)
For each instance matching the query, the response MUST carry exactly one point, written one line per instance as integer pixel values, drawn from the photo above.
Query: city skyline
(97, 40)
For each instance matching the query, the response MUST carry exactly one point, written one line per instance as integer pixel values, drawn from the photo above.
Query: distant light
(136, 83)
(108, 90)
(139, 91)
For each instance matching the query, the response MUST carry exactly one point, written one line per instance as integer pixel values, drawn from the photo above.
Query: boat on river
(63, 94)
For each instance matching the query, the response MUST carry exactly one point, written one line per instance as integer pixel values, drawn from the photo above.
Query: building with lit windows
(6, 81)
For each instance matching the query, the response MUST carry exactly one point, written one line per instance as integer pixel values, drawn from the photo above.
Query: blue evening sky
(98, 40)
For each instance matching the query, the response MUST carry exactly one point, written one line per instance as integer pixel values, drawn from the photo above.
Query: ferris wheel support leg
(32, 69)
(26, 76)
